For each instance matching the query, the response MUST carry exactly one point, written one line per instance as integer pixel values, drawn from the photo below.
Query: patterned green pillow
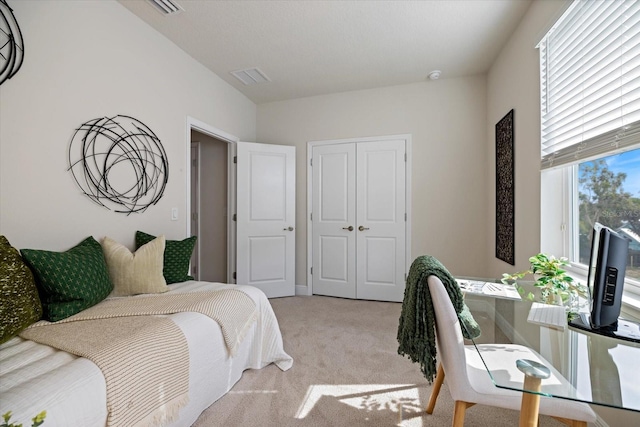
(19, 302)
(177, 254)
(70, 281)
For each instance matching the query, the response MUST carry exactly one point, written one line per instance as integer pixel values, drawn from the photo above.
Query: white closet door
(359, 185)
(266, 218)
(334, 220)
(381, 220)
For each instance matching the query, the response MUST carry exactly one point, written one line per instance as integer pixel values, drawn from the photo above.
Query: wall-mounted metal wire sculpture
(11, 44)
(119, 163)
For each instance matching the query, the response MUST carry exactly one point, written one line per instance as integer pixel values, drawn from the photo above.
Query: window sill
(631, 306)
(630, 301)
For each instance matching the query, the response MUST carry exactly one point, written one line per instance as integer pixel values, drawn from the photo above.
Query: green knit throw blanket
(416, 331)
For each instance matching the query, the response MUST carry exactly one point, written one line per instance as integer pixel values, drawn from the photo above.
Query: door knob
(288, 229)
(350, 228)
(361, 228)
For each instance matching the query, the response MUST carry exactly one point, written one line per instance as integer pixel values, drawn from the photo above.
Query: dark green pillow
(177, 254)
(70, 281)
(19, 302)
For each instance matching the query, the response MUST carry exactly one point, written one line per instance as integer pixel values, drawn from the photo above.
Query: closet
(359, 218)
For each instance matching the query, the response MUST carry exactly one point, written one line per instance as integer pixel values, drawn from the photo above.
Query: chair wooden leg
(459, 411)
(436, 389)
(458, 414)
(571, 423)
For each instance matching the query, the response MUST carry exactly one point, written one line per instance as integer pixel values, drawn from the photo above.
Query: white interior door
(266, 218)
(359, 220)
(381, 220)
(334, 220)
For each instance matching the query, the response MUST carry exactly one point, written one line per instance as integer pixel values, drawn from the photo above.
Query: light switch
(174, 214)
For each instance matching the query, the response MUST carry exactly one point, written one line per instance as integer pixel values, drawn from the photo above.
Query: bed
(36, 377)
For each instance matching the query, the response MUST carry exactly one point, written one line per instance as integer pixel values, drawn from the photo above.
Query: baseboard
(600, 422)
(486, 306)
(509, 331)
(302, 290)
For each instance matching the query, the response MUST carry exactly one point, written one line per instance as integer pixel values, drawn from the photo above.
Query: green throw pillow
(19, 302)
(70, 281)
(177, 254)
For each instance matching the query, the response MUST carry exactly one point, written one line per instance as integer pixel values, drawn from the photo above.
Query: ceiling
(309, 48)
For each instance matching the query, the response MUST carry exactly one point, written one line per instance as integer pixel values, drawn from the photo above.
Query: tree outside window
(609, 193)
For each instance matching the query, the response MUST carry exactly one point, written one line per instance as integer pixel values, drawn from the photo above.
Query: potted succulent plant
(556, 287)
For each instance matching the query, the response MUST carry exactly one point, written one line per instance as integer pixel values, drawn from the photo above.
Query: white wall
(446, 119)
(85, 60)
(514, 82)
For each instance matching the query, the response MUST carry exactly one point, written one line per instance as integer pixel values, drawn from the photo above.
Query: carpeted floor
(346, 372)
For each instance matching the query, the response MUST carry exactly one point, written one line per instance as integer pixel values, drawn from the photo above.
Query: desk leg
(534, 373)
(530, 402)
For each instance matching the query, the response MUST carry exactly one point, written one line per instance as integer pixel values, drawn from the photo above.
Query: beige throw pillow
(135, 273)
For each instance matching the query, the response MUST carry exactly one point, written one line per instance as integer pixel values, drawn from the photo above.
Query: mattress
(35, 377)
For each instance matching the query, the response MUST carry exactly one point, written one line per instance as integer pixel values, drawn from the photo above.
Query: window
(590, 121)
(609, 193)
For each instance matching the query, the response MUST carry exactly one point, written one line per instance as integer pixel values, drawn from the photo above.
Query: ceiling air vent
(166, 7)
(250, 76)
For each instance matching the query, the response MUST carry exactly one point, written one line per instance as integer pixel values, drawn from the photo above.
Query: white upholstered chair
(468, 380)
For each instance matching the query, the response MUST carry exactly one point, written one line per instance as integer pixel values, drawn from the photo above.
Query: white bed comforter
(35, 377)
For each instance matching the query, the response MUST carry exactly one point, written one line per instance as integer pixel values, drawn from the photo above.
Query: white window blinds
(590, 81)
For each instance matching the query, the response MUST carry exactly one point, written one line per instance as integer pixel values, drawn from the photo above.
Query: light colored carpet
(346, 372)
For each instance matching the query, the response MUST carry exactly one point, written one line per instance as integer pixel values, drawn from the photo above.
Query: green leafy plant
(36, 421)
(550, 278)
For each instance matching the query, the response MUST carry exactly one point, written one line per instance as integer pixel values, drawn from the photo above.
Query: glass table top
(598, 369)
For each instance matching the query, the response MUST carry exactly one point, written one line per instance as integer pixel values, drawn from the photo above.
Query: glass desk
(599, 369)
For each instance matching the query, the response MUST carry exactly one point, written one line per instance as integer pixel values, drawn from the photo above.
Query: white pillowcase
(135, 273)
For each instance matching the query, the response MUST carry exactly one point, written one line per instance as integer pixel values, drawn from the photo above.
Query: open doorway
(214, 184)
(209, 207)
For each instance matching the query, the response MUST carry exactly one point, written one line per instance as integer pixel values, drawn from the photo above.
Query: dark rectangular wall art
(505, 190)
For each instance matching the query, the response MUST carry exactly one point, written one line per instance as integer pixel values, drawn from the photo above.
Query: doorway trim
(202, 127)
(195, 145)
(310, 145)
